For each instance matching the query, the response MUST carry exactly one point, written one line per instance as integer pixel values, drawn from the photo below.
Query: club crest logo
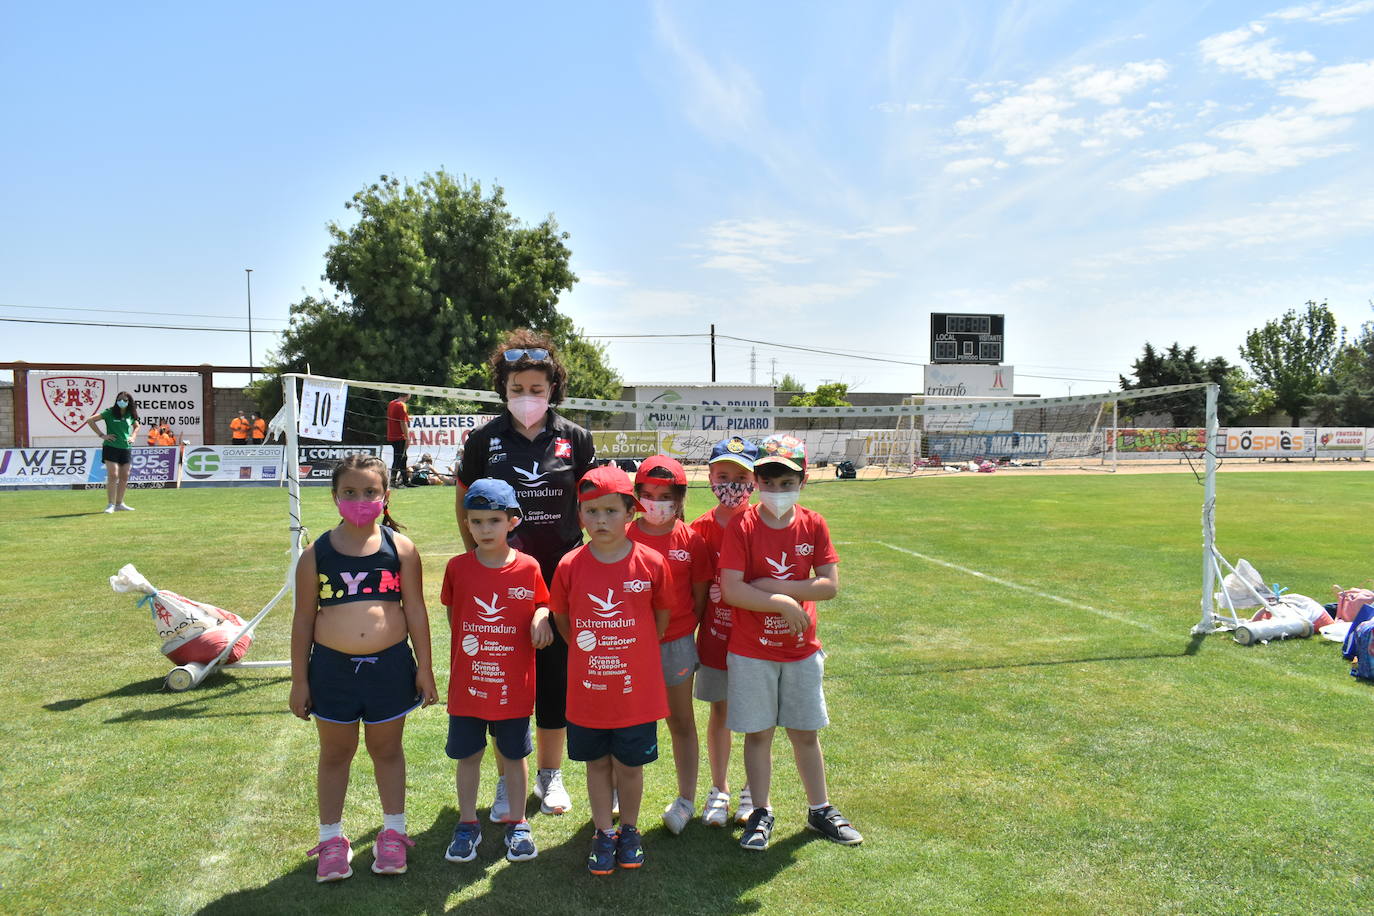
(637, 585)
(562, 448)
(804, 550)
(519, 593)
(73, 399)
(677, 553)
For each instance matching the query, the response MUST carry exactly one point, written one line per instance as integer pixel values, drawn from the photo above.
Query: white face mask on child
(659, 511)
(779, 503)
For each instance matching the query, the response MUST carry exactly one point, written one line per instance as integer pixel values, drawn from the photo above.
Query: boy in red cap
(661, 486)
(610, 600)
(775, 564)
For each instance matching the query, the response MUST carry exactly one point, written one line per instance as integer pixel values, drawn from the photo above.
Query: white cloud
(1339, 90)
(1028, 120)
(1325, 13)
(598, 278)
(878, 232)
(907, 107)
(1108, 86)
(964, 166)
(1043, 160)
(1243, 51)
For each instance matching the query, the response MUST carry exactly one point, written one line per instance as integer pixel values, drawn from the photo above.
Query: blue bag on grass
(1348, 646)
(1362, 665)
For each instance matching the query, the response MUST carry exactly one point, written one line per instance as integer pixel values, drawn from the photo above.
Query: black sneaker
(832, 825)
(758, 830)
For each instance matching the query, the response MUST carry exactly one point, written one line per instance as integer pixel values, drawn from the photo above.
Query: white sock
(329, 831)
(824, 804)
(395, 822)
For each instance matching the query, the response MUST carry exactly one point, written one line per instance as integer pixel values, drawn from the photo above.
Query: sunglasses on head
(535, 354)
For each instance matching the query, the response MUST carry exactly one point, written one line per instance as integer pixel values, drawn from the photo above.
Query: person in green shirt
(121, 425)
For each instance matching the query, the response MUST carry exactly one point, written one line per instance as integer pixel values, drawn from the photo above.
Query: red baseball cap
(660, 461)
(606, 480)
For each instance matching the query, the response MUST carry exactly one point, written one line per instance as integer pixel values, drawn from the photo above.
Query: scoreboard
(966, 338)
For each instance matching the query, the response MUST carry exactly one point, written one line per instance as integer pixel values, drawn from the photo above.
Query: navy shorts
(372, 688)
(115, 453)
(468, 734)
(632, 745)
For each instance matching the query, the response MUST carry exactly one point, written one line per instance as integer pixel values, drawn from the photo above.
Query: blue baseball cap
(492, 495)
(740, 451)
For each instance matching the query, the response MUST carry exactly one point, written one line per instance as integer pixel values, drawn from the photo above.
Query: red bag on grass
(191, 630)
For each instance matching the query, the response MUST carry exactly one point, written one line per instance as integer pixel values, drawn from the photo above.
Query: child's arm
(661, 616)
(417, 618)
(541, 634)
(303, 632)
(823, 586)
(701, 591)
(740, 594)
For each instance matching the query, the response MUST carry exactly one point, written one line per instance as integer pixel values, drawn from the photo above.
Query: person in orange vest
(238, 429)
(154, 435)
(168, 437)
(259, 429)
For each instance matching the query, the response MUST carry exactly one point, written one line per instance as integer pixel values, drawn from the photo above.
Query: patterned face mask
(731, 495)
(659, 511)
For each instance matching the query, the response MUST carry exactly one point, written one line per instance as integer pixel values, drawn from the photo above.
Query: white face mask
(528, 409)
(659, 511)
(779, 503)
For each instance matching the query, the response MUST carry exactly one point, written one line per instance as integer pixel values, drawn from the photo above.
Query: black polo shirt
(544, 472)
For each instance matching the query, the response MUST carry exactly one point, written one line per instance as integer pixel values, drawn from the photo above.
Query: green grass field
(1059, 747)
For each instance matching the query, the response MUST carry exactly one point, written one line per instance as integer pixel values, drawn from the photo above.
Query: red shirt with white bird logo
(713, 636)
(491, 661)
(787, 554)
(615, 673)
(689, 563)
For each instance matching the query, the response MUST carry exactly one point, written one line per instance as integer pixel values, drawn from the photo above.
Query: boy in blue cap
(498, 610)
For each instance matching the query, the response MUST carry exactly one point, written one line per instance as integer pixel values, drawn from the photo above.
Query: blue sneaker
(629, 849)
(601, 861)
(520, 842)
(467, 836)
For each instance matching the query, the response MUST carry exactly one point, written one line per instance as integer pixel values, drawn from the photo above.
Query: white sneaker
(716, 811)
(110, 508)
(746, 806)
(123, 508)
(676, 815)
(548, 785)
(500, 805)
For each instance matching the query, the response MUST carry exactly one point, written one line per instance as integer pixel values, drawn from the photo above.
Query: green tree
(789, 383)
(1177, 366)
(831, 395)
(427, 279)
(1291, 355)
(1347, 395)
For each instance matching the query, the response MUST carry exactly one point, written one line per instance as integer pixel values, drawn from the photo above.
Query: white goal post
(1093, 438)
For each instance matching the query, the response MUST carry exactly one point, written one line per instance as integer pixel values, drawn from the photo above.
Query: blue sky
(822, 175)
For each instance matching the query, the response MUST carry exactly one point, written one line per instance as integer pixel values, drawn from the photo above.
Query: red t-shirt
(789, 553)
(689, 562)
(397, 421)
(615, 673)
(713, 636)
(491, 660)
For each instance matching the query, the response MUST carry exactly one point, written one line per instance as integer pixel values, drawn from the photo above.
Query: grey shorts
(711, 684)
(764, 694)
(679, 659)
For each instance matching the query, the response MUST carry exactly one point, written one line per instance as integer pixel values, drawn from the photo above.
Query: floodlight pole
(248, 272)
(713, 353)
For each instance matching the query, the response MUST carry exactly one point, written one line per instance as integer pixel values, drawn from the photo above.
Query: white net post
(291, 456)
(1208, 623)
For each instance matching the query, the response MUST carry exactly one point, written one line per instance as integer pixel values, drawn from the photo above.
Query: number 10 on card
(322, 409)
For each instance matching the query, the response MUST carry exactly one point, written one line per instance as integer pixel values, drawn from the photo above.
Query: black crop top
(344, 578)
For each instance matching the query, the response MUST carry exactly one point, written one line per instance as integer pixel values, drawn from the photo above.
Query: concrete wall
(228, 402)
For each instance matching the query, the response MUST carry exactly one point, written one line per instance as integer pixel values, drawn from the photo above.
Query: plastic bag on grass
(191, 631)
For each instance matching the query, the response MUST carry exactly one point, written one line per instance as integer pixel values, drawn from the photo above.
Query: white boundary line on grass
(1273, 664)
(1119, 618)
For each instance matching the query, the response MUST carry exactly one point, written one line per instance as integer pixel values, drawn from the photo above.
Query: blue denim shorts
(369, 688)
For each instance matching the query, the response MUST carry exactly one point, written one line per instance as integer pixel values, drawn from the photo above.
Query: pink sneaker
(334, 856)
(389, 853)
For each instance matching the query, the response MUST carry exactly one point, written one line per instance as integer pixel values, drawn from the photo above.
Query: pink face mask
(528, 408)
(360, 512)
